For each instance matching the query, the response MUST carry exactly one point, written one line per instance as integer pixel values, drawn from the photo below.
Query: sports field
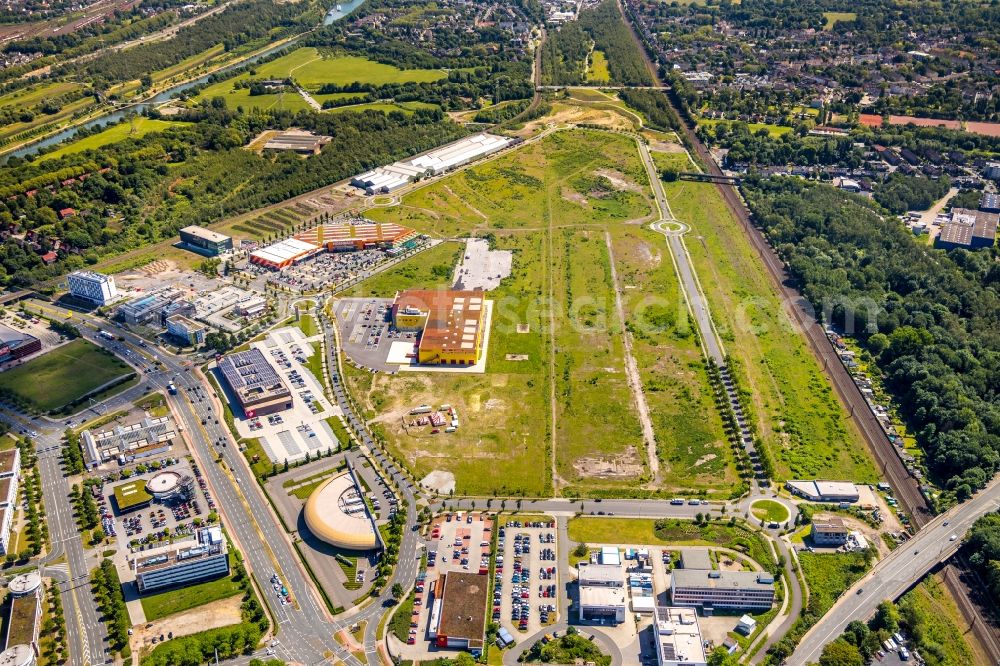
(559, 204)
(800, 420)
(141, 126)
(63, 374)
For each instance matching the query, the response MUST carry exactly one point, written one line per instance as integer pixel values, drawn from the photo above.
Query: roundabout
(670, 227)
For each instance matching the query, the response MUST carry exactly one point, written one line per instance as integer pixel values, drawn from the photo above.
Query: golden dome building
(336, 513)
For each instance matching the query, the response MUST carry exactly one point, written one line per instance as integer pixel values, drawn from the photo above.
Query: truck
(422, 409)
(104, 334)
(171, 388)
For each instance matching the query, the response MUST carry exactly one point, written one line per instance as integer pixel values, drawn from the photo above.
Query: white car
(952, 537)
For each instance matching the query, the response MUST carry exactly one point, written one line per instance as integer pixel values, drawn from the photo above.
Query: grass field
(644, 531)
(311, 69)
(798, 416)
(829, 575)
(832, 18)
(942, 632)
(169, 602)
(773, 130)
(63, 374)
(33, 95)
(769, 511)
(124, 130)
(430, 269)
(598, 70)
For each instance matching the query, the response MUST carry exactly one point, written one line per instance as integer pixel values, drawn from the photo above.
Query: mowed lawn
(63, 374)
(800, 420)
(311, 69)
(773, 130)
(140, 127)
(169, 602)
(598, 70)
(430, 269)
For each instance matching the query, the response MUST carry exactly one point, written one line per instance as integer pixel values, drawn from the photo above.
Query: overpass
(897, 572)
(564, 87)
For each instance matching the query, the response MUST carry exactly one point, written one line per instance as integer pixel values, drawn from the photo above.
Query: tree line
(929, 318)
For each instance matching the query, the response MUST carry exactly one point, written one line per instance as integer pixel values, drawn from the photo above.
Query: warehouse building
(283, 254)
(602, 593)
(825, 491)
(678, 637)
(829, 532)
(15, 344)
(205, 241)
(10, 476)
(185, 330)
(458, 613)
(298, 141)
(451, 324)
(23, 620)
(149, 437)
(92, 286)
(968, 229)
(390, 178)
(990, 202)
(741, 590)
(255, 383)
(357, 235)
(183, 563)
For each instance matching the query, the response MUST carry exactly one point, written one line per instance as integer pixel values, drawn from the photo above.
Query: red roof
(49, 257)
(66, 212)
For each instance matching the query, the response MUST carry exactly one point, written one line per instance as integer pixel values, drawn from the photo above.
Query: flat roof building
(148, 437)
(298, 141)
(969, 229)
(451, 324)
(283, 254)
(990, 202)
(678, 637)
(255, 383)
(461, 620)
(746, 590)
(24, 621)
(205, 241)
(10, 476)
(131, 496)
(696, 558)
(147, 308)
(15, 344)
(91, 286)
(185, 330)
(356, 235)
(183, 563)
(825, 491)
(600, 575)
(829, 532)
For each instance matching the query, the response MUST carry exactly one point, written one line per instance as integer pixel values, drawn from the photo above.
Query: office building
(990, 202)
(255, 383)
(205, 241)
(15, 344)
(451, 324)
(740, 590)
(601, 589)
(678, 637)
(91, 286)
(183, 563)
(23, 619)
(148, 437)
(185, 330)
(10, 476)
(251, 307)
(131, 496)
(337, 514)
(829, 532)
(298, 141)
(825, 491)
(147, 309)
(458, 612)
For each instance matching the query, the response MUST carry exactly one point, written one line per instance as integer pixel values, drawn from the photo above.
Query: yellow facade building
(451, 324)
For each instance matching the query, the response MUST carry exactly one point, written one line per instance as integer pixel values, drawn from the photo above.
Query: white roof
(284, 250)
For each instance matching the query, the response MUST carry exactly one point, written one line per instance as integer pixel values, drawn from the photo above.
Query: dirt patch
(575, 197)
(516, 357)
(524, 328)
(705, 459)
(217, 614)
(666, 147)
(619, 180)
(439, 481)
(649, 255)
(624, 466)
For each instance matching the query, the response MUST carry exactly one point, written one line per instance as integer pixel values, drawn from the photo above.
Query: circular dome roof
(25, 583)
(334, 514)
(162, 483)
(18, 655)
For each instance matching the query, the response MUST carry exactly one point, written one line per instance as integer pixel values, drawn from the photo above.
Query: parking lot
(323, 270)
(457, 542)
(150, 526)
(526, 582)
(366, 334)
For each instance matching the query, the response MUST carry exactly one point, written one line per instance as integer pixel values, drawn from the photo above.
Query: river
(113, 117)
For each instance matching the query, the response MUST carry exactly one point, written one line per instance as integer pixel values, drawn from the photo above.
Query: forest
(900, 193)
(929, 318)
(983, 546)
(564, 53)
(759, 148)
(142, 190)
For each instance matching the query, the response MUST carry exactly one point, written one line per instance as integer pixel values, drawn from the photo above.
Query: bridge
(708, 178)
(544, 88)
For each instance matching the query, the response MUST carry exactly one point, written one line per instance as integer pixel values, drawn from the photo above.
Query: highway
(897, 572)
